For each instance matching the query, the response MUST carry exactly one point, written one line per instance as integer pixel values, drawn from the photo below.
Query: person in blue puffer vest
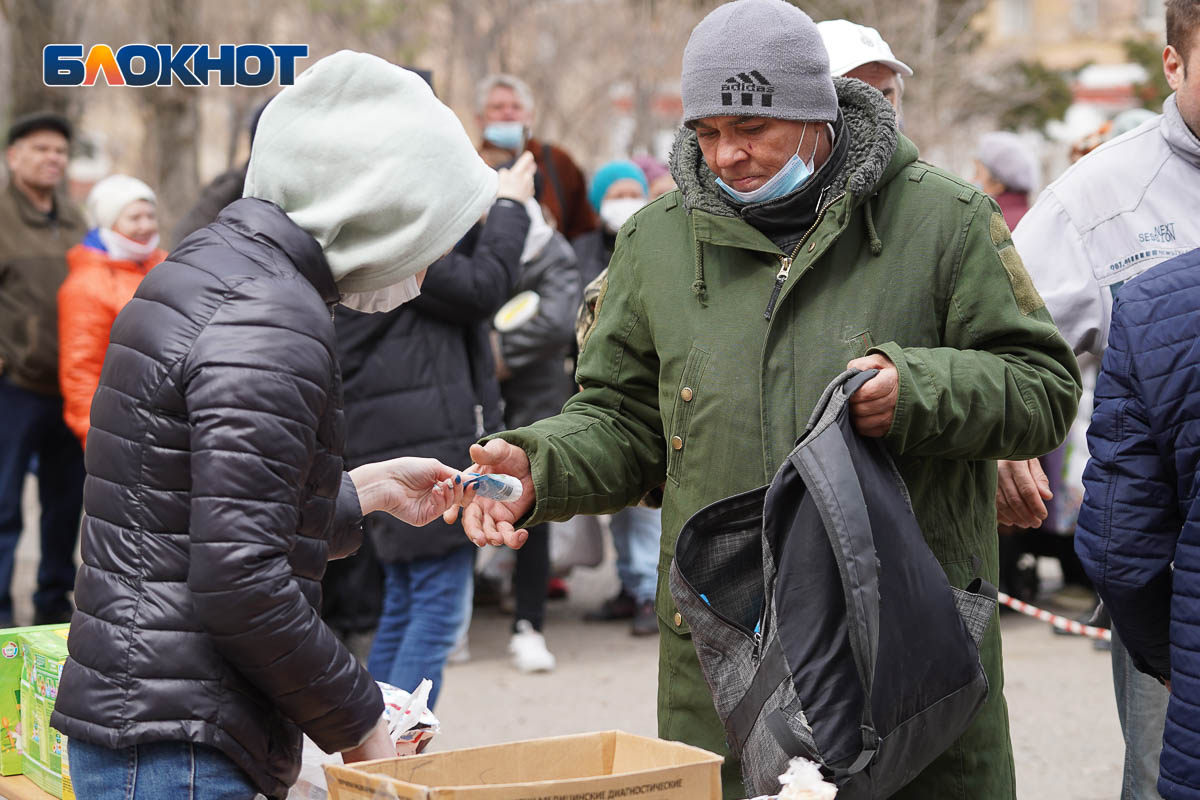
(1139, 528)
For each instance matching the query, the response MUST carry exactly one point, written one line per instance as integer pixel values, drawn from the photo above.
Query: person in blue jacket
(1139, 528)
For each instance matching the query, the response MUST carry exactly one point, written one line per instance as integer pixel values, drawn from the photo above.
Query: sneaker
(620, 606)
(528, 649)
(645, 620)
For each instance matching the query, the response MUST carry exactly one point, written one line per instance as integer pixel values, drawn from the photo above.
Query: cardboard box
(591, 766)
(43, 653)
(68, 789)
(11, 667)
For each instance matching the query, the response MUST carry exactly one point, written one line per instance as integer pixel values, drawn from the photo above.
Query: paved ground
(1064, 720)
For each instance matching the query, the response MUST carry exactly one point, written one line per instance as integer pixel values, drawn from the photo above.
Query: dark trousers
(31, 426)
(531, 576)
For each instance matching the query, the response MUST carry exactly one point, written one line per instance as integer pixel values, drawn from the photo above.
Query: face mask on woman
(616, 211)
(388, 298)
(122, 248)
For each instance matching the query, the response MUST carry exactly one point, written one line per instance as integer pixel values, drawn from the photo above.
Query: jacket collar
(870, 124)
(64, 212)
(1179, 136)
(265, 221)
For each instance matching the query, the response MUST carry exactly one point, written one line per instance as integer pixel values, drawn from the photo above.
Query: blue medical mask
(790, 176)
(505, 135)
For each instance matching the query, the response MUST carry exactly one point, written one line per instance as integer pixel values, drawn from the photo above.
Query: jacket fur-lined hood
(867, 117)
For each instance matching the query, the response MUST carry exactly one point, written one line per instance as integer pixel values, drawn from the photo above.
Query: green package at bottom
(43, 653)
(11, 667)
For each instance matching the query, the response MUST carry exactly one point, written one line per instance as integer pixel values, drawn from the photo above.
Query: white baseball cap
(851, 45)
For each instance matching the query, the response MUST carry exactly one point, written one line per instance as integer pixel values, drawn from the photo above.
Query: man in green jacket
(805, 235)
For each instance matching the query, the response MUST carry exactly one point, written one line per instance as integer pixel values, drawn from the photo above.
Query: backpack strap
(771, 673)
(829, 407)
(552, 172)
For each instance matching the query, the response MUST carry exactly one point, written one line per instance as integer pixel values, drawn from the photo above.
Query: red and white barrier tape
(1062, 623)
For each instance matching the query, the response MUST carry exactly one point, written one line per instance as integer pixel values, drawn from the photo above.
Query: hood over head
(362, 156)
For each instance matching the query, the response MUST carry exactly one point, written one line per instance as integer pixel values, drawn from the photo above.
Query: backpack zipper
(785, 262)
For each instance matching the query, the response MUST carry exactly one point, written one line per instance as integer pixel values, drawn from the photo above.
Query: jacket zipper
(785, 262)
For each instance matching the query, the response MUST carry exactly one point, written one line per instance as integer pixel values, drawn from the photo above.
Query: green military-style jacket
(711, 346)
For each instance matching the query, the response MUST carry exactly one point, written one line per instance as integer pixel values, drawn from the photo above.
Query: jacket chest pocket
(858, 340)
(687, 395)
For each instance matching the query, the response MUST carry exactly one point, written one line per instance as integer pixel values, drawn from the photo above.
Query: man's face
(1183, 74)
(745, 152)
(39, 159)
(883, 78)
(504, 105)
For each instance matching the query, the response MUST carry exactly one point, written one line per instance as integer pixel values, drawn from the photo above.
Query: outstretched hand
(490, 521)
(415, 490)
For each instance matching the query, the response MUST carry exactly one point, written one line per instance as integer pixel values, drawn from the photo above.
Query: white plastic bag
(578, 542)
(410, 724)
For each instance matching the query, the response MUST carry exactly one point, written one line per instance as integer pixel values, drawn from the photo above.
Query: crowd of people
(393, 298)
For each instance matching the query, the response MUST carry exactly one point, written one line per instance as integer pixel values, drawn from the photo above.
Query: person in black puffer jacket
(216, 490)
(420, 380)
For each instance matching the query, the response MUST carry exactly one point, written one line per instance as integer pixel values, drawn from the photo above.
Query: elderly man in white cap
(858, 51)
(216, 490)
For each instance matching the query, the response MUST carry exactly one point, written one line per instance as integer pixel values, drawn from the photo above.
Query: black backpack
(865, 659)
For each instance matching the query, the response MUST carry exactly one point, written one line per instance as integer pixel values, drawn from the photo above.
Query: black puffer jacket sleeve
(463, 288)
(255, 396)
(346, 535)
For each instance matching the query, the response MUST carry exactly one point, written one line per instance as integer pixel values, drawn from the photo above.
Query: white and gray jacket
(1127, 206)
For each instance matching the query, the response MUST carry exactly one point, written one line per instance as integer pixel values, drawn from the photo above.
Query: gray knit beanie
(757, 58)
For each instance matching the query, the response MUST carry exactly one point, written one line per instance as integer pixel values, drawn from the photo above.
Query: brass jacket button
(676, 443)
(686, 394)
(678, 619)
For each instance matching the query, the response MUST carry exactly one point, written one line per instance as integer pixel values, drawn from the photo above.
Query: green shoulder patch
(999, 229)
(589, 310)
(1028, 299)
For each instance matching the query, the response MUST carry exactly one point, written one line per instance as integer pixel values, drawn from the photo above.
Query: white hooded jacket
(1127, 206)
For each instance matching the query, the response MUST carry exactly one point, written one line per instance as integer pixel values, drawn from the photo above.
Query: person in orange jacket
(104, 272)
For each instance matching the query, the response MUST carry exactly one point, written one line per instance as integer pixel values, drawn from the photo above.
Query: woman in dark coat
(420, 380)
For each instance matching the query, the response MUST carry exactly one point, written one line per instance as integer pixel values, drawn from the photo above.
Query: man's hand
(377, 745)
(1021, 489)
(490, 521)
(415, 490)
(873, 406)
(516, 182)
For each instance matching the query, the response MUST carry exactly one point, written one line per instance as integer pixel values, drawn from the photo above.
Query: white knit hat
(110, 195)
(361, 155)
